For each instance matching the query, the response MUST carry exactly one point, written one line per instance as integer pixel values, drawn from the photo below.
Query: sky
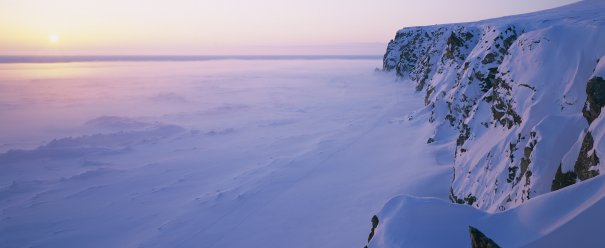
(220, 27)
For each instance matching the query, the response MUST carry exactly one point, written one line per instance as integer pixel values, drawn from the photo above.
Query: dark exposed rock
(453, 43)
(512, 147)
(470, 199)
(510, 40)
(425, 71)
(374, 225)
(563, 180)
(512, 173)
(429, 91)
(502, 109)
(528, 86)
(454, 198)
(585, 161)
(595, 98)
(526, 160)
(479, 240)
(524, 164)
(374, 221)
(451, 119)
(489, 58)
(465, 134)
(404, 57)
(528, 179)
(582, 167)
(504, 113)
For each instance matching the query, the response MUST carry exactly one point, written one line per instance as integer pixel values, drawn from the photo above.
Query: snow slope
(207, 154)
(572, 217)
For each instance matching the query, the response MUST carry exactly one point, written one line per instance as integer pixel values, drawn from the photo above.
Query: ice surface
(258, 153)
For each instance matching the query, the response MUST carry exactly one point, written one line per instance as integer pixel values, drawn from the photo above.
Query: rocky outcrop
(479, 240)
(563, 180)
(586, 159)
(586, 164)
(374, 225)
(595, 98)
(512, 109)
(584, 167)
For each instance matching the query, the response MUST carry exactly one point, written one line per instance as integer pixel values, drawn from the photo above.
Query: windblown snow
(255, 153)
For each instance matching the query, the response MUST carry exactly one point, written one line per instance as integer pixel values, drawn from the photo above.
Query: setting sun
(54, 38)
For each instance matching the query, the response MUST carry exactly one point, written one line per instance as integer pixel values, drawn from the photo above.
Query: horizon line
(10, 59)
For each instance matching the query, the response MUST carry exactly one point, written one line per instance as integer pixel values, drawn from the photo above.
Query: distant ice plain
(220, 153)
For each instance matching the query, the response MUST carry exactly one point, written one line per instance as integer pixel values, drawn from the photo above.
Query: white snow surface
(230, 153)
(571, 217)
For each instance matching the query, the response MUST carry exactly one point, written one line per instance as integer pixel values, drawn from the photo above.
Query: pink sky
(230, 26)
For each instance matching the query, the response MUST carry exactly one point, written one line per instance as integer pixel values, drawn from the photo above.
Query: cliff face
(518, 97)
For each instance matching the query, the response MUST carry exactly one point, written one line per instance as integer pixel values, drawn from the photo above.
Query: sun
(53, 38)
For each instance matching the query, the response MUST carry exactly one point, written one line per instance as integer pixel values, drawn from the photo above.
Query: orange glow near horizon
(230, 26)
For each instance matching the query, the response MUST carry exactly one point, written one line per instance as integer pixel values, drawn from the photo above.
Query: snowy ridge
(509, 94)
(569, 218)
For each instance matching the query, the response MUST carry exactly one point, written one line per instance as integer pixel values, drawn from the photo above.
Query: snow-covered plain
(257, 153)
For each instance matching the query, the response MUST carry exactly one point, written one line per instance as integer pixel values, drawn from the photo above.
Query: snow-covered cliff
(519, 97)
(518, 102)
